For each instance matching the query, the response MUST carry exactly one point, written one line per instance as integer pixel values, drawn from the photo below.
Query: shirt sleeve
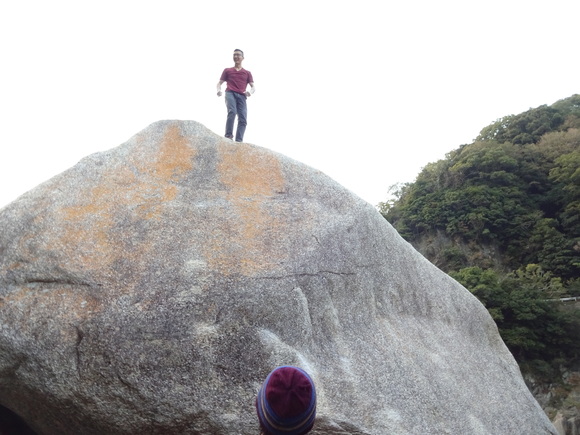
(250, 78)
(224, 76)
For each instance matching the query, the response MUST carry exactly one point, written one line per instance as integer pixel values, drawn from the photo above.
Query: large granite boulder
(151, 288)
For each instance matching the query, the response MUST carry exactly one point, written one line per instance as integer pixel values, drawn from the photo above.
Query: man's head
(286, 403)
(238, 55)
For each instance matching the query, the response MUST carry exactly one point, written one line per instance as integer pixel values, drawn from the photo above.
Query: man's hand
(219, 88)
(252, 90)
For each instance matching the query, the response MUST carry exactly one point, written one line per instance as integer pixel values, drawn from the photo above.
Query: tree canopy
(518, 201)
(502, 215)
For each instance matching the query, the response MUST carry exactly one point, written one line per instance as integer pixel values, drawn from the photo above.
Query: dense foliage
(541, 333)
(502, 215)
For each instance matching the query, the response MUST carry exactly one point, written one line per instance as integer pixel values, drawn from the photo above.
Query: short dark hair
(237, 49)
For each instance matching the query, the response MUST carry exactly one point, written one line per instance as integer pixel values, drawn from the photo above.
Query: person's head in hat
(286, 402)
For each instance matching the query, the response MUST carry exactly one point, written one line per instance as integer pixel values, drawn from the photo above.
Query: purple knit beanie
(286, 402)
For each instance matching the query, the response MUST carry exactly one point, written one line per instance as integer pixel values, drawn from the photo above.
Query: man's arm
(219, 88)
(252, 90)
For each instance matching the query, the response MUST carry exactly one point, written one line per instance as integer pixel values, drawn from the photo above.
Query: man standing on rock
(237, 79)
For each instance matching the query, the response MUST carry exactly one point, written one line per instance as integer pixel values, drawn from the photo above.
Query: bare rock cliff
(152, 287)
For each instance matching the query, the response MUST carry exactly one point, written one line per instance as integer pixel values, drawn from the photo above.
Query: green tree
(566, 172)
(521, 199)
(510, 201)
(528, 127)
(522, 304)
(552, 249)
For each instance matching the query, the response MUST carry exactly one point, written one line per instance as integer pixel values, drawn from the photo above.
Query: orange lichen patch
(252, 178)
(175, 157)
(89, 208)
(170, 165)
(248, 172)
(150, 201)
(130, 193)
(86, 230)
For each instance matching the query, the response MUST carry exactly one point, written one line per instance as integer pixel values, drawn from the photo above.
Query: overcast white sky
(369, 92)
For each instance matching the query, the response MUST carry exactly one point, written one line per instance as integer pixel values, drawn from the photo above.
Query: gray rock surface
(151, 288)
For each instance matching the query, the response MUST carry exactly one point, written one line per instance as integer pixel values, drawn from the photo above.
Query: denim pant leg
(242, 117)
(232, 107)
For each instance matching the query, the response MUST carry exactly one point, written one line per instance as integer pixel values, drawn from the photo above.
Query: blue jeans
(236, 104)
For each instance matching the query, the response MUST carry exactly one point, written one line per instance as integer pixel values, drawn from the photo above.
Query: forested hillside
(502, 216)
